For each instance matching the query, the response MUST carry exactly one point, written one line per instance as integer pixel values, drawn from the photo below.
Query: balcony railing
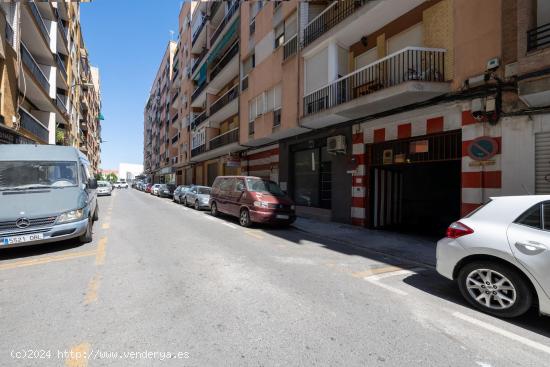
(234, 50)
(224, 100)
(411, 63)
(60, 104)
(195, 35)
(198, 119)
(290, 47)
(198, 150)
(251, 127)
(198, 60)
(331, 16)
(175, 96)
(9, 34)
(230, 12)
(61, 65)
(232, 136)
(29, 61)
(38, 17)
(62, 29)
(538, 37)
(198, 91)
(32, 125)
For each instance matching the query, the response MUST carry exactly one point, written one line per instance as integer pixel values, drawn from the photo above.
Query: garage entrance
(415, 183)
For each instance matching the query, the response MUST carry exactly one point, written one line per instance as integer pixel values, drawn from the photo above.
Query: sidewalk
(416, 248)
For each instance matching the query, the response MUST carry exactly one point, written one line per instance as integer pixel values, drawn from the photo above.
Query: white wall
(518, 156)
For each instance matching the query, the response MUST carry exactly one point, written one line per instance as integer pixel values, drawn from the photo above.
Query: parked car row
(250, 199)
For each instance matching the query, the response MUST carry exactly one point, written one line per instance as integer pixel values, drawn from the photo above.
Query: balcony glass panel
(32, 125)
(232, 136)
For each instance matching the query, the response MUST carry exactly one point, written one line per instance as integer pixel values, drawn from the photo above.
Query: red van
(252, 200)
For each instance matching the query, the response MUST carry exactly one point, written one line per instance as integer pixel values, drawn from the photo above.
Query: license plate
(20, 239)
(282, 216)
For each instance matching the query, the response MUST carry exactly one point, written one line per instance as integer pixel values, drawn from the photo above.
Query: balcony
(32, 125)
(290, 47)
(198, 150)
(231, 136)
(225, 70)
(199, 119)
(9, 34)
(35, 70)
(226, 20)
(198, 38)
(39, 20)
(411, 75)
(538, 38)
(198, 60)
(331, 16)
(225, 106)
(176, 100)
(61, 66)
(195, 101)
(61, 104)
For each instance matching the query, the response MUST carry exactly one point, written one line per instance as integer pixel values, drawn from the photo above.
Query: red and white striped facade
(478, 183)
(262, 162)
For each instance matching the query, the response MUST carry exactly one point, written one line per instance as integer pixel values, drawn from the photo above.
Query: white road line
(507, 334)
(229, 225)
(393, 273)
(210, 218)
(386, 287)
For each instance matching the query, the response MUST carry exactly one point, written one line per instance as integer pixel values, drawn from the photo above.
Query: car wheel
(244, 218)
(197, 207)
(87, 236)
(495, 289)
(96, 213)
(214, 209)
(185, 202)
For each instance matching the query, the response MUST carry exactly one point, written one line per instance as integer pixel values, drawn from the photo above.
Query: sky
(126, 39)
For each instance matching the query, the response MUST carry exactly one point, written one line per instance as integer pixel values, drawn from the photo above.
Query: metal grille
(21, 233)
(441, 147)
(35, 222)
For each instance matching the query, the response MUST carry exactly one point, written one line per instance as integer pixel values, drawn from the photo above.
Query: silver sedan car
(104, 188)
(500, 255)
(198, 197)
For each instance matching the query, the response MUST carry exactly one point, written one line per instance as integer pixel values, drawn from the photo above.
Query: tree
(111, 177)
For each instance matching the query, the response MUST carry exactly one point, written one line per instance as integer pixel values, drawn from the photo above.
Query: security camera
(478, 109)
(478, 115)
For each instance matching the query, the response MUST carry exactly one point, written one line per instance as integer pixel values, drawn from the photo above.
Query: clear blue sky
(126, 40)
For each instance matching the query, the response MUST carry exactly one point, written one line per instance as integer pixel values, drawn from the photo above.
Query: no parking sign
(483, 148)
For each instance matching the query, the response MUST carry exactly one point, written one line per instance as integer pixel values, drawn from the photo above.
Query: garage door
(542, 163)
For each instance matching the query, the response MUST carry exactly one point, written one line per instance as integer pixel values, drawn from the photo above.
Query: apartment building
(400, 114)
(46, 77)
(158, 124)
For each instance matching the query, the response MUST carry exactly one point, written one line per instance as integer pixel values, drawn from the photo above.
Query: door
(529, 239)
(234, 202)
(542, 163)
(191, 195)
(226, 187)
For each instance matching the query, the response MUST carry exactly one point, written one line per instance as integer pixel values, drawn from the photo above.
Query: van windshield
(264, 186)
(37, 174)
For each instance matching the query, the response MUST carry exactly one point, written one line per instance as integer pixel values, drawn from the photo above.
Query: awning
(224, 41)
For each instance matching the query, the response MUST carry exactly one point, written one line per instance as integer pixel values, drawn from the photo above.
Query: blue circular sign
(483, 148)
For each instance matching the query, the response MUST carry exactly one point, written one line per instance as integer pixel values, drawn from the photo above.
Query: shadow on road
(40, 249)
(435, 285)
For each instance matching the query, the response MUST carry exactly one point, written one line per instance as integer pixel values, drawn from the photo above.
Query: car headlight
(261, 204)
(71, 216)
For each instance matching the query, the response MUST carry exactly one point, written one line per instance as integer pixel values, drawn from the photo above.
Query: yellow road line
(46, 259)
(250, 233)
(375, 271)
(105, 225)
(100, 255)
(78, 355)
(91, 293)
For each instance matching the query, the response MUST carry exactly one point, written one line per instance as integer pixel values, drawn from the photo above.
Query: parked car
(47, 194)
(198, 197)
(252, 200)
(500, 255)
(166, 190)
(121, 185)
(155, 189)
(148, 187)
(179, 193)
(104, 188)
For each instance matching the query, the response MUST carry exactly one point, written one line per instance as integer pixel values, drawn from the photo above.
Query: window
(239, 185)
(531, 218)
(279, 35)
(291, 26)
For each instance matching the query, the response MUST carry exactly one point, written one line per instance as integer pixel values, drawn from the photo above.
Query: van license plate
(282, 216)
(6, 241)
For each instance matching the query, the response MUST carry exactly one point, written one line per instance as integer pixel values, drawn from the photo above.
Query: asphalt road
(161, 281)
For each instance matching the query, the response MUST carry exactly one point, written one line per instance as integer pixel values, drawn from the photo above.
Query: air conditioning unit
(336, 144)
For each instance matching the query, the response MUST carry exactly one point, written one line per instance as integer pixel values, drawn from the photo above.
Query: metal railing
(251, 127)
(234, 50)
(198, 119)
(9, 34)
(411, 63)
(224, 100)
(38, 17)
(198, 60)
(230, 12)
(175, 96)
(61, 65)
(198, 150)
(60, 104)
(32, 125)
(195, 35)
(198, 91)
(231, 136)
(175, 118)
(29, 61)
(538, 37)
(62, 29)
(331, 16)
(290, 47)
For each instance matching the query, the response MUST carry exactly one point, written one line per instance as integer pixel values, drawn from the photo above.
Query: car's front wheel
(197, 206)
(244, 218)
(214, 209)
(495, 288)
(87, 236)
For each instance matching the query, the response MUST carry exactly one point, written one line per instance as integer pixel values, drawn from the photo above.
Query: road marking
(250, 233)
(78, 356)
(375, 271)
(105, 225)
(375, 279)
(91, 293)
(229, 225)
(100, 254)
(386, 287)
(209, 217)
(45, 260)
(507, 334)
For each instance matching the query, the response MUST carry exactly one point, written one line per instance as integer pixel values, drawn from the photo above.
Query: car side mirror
(92, 183)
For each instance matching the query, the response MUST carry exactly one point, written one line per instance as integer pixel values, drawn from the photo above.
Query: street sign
(483, 148)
